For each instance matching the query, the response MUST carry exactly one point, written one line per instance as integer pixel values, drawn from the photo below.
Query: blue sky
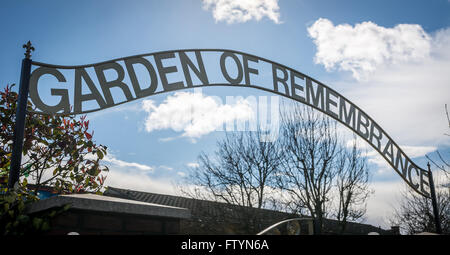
(397, 74)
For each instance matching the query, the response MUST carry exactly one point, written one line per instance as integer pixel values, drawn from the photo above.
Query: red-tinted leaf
(88, 136)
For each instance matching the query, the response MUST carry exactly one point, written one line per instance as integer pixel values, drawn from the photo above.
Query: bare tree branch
(448, 118)
(242, 169)
(315, 163)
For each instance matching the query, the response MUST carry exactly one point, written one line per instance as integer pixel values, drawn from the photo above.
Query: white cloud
(239, 11)
(382, 203)
(136, 176)
(192, 164)
(193, 113)
(417, 151)
(138, 180)
(407, 100)
(182, 174)
(411, 151)
(168, 168)
(112, 160)
(366, 46)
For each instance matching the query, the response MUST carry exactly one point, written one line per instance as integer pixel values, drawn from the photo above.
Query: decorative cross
(29, 49)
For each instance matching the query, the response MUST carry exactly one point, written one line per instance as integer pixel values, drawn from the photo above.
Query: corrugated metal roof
(196, 206)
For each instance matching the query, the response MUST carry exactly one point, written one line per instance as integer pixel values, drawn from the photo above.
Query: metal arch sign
(159, 66)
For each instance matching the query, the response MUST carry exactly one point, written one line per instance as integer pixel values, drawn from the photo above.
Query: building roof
(197, 207)
(218, 211)
(109, 204)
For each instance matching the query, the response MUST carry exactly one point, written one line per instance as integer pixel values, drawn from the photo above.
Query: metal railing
(293, 226)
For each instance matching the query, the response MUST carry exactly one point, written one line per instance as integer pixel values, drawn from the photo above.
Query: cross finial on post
(29, 49)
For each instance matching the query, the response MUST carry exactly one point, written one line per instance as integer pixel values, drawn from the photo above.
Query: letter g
(34, 95)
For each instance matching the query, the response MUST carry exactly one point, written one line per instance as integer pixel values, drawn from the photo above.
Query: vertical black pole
(437, 221)
(16, 155)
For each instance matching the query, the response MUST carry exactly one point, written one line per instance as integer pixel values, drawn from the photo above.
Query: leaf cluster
(58, 151)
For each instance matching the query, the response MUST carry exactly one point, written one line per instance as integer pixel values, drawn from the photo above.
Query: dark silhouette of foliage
(57, 151)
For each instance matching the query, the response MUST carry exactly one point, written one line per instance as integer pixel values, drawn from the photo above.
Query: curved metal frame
(285, 221)
(359, 110)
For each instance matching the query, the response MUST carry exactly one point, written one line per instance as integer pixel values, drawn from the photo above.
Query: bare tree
(316, 165)
(310, 146)
(415, 212)
(352, 185)
(304, 166)
(239, 173)
(441, 163)
(448, 119)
